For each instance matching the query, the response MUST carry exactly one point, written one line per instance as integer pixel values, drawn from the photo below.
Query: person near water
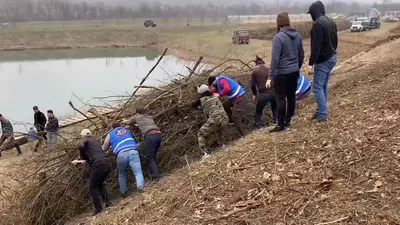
(7, 131)
(323, 59)
(237, 103)
(303, 87)
(52, 127)
(92, 154)
(40, 125)
(152, 139)
(262, 95)
(215, 114)
(286, 60)
(125, 150)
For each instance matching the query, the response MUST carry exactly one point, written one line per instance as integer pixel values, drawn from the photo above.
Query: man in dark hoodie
(286, 60)
(324, 42)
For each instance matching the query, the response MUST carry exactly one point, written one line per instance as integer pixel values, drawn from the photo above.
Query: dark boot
(277, 129)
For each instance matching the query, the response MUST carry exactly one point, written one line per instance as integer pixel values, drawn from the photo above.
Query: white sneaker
(205, 156)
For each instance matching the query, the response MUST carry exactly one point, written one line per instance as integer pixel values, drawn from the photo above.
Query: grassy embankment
(219, 177)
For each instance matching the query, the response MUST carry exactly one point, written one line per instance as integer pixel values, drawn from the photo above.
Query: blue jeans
(129, 159)
(320, 86)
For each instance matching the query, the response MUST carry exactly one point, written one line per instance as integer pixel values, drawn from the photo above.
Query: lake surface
(50, 79)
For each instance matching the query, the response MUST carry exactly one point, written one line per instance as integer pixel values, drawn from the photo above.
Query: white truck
(358, 26)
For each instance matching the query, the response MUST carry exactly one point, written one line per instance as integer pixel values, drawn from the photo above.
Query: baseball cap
(203, 88)
(86, 132)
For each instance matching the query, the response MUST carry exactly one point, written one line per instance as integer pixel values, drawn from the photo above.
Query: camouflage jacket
(212, 106)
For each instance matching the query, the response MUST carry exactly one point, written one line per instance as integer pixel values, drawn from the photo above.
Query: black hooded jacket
(324, 40)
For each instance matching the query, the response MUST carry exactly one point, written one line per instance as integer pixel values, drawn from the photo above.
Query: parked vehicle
(241, 37)
(374, 23)
(392, 19)
(149, 23)
(357, 26)
(365, 22)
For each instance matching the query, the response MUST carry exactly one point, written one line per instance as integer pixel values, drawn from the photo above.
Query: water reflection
(50, 79)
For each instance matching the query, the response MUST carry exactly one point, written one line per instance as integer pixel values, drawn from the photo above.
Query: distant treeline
(62, 10)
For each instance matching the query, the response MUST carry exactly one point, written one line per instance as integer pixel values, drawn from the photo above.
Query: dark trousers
(151, 145)
(285, 86)
(98, 174)
(15, 144)
(42, 135)
(262, 100)
(237, 110)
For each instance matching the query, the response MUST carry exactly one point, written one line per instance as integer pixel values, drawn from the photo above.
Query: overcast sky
(228, 2)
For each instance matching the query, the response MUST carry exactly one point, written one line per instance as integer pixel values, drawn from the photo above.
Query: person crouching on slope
(215, 114)
(124, 148)
(262, 94)
(286, 60)
(152, 139)
(100, 167)
(237, 105)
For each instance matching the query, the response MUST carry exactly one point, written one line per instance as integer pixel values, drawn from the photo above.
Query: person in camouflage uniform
(215, 114)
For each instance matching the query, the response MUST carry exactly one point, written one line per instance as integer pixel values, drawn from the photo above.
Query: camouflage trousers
(213, 125)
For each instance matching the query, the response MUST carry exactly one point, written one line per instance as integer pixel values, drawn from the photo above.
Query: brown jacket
(144, 122)
(258, 79)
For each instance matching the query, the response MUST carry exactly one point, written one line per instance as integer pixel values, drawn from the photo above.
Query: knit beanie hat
(283, 19)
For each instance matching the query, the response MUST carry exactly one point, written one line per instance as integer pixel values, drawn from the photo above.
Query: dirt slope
(346, 171)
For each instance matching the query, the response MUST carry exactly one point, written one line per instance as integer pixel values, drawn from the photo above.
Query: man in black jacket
(40, 124)
(324, 42)
(100, 167)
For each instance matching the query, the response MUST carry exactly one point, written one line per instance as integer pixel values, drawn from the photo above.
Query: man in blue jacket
(124, 148)
(324, 42)
(237, 105)
(303, 87)
(286, 60)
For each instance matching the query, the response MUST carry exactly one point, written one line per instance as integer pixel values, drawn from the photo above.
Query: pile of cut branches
(52, 191)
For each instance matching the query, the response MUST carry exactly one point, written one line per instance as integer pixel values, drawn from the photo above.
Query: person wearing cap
(286, 60)
(152, 139)
(7, 131)
(100, 167)
(323, 59)
(215, 114)
(52, 127)
(40, 125)
(125, 150)
(237, 105)
(262, 94)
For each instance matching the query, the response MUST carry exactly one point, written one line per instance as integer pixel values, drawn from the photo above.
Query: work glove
(254, 99)
(268, 84)
(310, 70)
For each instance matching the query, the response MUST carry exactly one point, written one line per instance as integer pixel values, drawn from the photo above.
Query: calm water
(50, 79)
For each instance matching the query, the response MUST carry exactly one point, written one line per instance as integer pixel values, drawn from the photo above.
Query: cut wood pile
(52, 191)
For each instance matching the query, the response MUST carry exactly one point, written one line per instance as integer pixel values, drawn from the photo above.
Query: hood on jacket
(316, 10)
(290, 31)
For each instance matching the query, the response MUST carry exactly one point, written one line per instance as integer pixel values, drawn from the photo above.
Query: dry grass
(346, 171)
(308, 175)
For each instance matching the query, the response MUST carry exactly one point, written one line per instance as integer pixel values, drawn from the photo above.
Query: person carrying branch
(92, 154)
(125, 150)
(237, 105)
(215, 114)
(7, 131)
(152, 139)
